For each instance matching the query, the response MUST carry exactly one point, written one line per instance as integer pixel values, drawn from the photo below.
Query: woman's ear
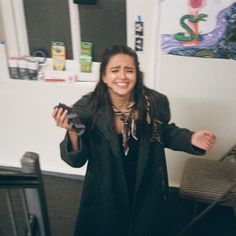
(104, 79)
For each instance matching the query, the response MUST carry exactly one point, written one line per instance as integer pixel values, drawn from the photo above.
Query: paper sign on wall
(139, 34)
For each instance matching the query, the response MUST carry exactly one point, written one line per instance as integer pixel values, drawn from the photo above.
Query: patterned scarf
(129, 124)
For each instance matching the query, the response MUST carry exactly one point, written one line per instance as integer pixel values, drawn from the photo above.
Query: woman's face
(120, 75)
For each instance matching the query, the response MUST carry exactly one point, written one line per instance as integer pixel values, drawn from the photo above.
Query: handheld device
(73, 119)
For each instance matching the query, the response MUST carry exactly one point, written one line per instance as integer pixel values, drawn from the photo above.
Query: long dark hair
(101, 95)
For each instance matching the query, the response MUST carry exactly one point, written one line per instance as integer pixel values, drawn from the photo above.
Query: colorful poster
(199, 28)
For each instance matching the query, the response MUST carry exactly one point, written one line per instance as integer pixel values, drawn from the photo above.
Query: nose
(122, 74)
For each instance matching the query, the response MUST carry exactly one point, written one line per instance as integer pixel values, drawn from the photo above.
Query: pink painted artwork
(201, 29)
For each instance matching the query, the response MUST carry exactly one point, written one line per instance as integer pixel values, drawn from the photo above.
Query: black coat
(104, 208)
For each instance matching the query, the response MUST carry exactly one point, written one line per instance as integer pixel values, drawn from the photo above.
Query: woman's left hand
(203, 139)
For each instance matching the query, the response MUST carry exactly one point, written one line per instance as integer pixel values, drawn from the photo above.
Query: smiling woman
(126, 128)
(120, 77)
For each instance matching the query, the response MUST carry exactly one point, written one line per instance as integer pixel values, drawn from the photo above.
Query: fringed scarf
(129, 125)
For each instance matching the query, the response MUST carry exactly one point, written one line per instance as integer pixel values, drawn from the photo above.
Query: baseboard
(49, 173)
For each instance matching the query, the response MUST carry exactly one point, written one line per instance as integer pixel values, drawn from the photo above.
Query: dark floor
(63, 199)
(219, 221)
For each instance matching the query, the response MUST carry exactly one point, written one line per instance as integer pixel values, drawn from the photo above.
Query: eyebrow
(127, 67)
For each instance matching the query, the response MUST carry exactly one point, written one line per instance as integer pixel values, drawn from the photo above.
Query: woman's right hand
(59, 115)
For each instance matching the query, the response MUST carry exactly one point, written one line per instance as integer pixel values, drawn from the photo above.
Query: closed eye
(114, 70)
(129, 70)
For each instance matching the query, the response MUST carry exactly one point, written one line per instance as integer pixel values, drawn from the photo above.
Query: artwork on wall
(199, 28)
(139, 34)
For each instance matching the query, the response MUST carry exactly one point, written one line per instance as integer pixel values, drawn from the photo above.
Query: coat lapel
(105, 125)
(142, 160)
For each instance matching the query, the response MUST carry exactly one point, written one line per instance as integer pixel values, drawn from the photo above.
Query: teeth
(121, 84)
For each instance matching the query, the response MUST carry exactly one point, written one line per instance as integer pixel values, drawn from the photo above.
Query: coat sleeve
(72, 158)
(174, 137)
(79, 158)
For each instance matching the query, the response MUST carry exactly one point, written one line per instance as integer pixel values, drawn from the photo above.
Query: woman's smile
(120, 75)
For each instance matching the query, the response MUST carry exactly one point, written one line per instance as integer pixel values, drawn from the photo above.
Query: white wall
(148, 10)
(201, 91)
(27, 124)
(26, 121)
(1, 23)
(201, 94)
(4, 73)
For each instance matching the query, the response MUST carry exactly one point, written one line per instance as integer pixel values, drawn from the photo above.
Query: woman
(127, 129)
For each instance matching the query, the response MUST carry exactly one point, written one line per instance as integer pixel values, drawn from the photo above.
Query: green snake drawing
(181, 35)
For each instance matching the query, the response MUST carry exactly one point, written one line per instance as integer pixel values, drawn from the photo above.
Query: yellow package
(86, 57)
(58, 55)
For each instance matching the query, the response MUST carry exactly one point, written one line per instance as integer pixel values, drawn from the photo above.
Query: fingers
(207, 145)
(203, 139)
(54, 113)
(209, 139)
(59, 116)
(209, 134)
